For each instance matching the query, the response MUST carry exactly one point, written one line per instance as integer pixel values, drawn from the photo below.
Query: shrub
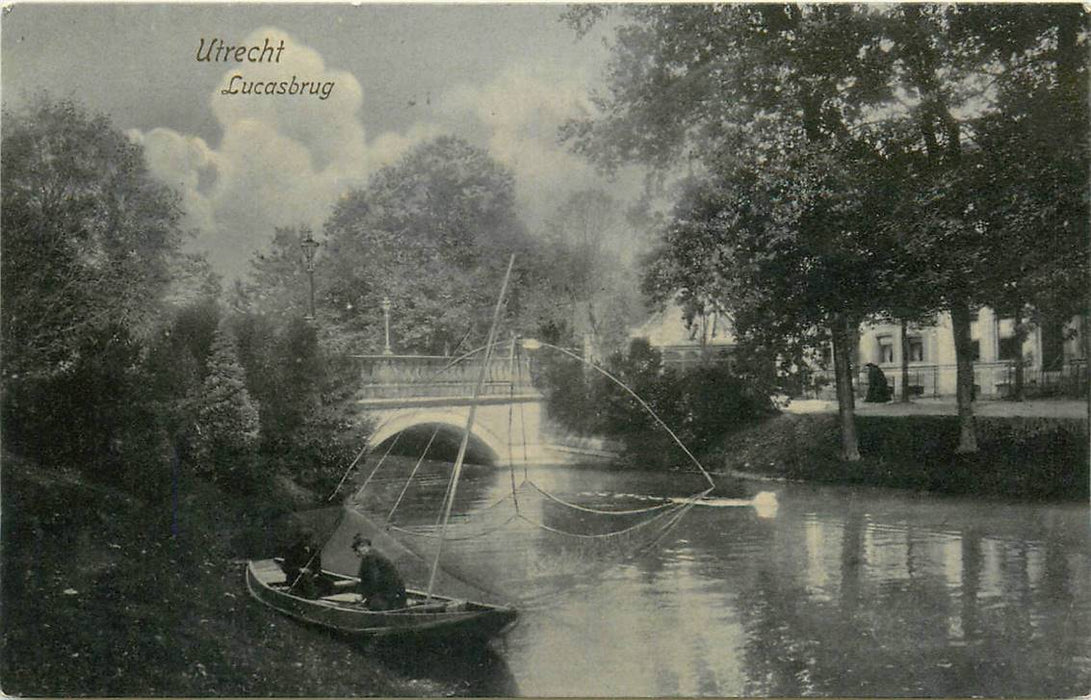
(225, 419)
(700, 405)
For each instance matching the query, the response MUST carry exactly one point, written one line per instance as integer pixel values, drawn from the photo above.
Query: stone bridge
(409, 397)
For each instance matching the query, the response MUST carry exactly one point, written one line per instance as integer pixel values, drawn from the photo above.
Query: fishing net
(509, 538)
(496, 534)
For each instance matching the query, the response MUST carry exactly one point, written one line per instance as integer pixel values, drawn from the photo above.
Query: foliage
(88, 237)
(855, 160)
(1040, 458)
(700, 405)
(582, 286)
(304, 394)
(433, 233)
(226, 425)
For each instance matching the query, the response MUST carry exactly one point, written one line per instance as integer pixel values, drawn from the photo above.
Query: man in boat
(380, 585)
(303, 567)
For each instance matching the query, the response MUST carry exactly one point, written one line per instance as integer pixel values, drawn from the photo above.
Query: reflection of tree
(852, 563)
(971, 582)
(779, 649)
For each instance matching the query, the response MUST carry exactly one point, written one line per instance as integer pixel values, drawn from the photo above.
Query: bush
(225, 428)
(700, 405)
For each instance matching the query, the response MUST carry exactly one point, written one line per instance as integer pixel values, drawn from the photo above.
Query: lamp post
(310, 247)
(386, 322)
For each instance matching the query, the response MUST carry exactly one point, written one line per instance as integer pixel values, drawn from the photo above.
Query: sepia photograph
(545, 350)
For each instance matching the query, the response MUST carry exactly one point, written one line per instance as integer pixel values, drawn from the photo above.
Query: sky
(503, 77)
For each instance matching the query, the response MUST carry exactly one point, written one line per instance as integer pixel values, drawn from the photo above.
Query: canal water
(841, 591)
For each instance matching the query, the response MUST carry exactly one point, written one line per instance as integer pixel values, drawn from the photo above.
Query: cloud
(282, 159)
(523, 110)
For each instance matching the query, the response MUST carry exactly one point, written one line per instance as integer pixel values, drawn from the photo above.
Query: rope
(434, 536)
(408, 481)
(596, 511)
(347, 472)
(523, 426)
(511, 459)
(603, 535)
(376, 469)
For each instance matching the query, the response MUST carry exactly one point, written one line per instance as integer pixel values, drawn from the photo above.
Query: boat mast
(469, 424)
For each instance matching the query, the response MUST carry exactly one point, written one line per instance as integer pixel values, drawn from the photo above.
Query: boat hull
(425, 618)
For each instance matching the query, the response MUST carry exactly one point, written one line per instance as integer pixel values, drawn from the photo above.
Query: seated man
(380, 584)
(303, 567)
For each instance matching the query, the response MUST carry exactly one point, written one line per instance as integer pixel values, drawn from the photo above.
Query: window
(1009, 348)
(975, 350)
(916, 348)
(886, 349)
(1052, 345)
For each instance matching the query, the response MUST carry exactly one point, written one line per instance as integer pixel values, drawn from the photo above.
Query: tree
(89, 249)
(88, 239)
(226, 423)
(277, 286)
(432, 233)
(754, 93)
(911, 89)
(994, 90)
(584, 289)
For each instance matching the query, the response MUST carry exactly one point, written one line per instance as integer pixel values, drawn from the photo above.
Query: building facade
(1053, 354)
(1053, 357)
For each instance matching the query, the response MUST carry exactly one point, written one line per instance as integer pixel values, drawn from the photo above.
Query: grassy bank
(1018, 457)
(106, 595)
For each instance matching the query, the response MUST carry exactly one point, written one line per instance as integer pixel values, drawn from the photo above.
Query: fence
(991, 380)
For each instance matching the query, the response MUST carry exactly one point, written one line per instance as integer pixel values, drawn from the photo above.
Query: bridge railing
(405, 376)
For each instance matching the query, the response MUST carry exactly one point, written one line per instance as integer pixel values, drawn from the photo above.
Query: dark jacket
(380, 584)
(303, 570)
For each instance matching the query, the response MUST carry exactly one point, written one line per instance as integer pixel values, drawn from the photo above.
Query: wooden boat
(424, 618)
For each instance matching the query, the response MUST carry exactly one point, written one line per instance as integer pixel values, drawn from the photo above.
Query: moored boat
(424, 617)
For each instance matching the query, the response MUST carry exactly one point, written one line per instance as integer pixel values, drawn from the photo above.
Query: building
(708, 339)
(1054, 361)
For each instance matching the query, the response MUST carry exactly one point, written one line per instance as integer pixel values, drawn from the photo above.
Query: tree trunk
(846, 400)
(964, 377)
(1020, 337)
(905, 361)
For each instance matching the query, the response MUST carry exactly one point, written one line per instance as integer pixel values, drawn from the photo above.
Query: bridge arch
(485, 446)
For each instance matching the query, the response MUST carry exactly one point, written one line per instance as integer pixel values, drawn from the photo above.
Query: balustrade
(406, 376)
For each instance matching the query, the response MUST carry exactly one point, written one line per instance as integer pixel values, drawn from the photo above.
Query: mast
(450, 500)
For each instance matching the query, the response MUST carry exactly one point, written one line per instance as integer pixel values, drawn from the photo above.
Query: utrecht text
(218, 51)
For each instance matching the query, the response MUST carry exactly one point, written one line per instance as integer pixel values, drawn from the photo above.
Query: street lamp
(386, 322)
(310, 247)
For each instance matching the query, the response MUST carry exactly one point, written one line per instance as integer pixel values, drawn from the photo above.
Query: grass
(106, 595)
(1034, 458)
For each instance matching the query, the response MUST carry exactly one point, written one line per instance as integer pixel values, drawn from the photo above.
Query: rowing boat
(425, 617)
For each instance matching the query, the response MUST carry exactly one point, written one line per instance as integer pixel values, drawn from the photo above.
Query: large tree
(779, 96)
(87, 257)
(912, 88)
(995, 188)
(432, 233)
(88, 238)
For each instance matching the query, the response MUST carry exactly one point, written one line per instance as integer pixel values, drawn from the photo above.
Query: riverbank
(106, 595)
(1034, 457)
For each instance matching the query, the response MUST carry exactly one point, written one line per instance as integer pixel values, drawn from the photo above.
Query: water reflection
(843, 592)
